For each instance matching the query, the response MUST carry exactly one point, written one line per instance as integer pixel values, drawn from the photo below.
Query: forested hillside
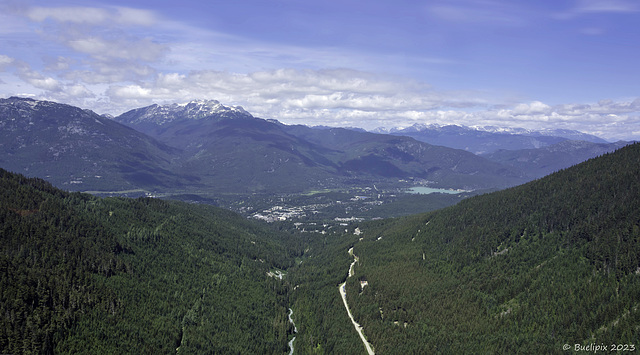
(528, 269)
(525, 270)
(87, 275)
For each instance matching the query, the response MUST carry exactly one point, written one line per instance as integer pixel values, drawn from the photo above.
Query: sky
(538, 64)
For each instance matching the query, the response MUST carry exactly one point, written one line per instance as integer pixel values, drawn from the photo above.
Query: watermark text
(600, 348)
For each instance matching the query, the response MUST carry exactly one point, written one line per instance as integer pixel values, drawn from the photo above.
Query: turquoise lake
(430, 190)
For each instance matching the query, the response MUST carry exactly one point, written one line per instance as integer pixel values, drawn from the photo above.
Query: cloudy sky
(538, 64)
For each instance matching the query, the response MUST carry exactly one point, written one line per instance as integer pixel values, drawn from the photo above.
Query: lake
(430, 190)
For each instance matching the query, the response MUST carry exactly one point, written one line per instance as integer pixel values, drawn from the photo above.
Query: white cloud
(138, 17)
(58, 64)
(608, 119)
(5, 61)
(78, 91)
(290, 89)
(133, 92)
(100, 45)
(36, 79)
(533, 108)
(112, 71)
(121, 48)
(338, 97)
(93, 16)
(353, 98)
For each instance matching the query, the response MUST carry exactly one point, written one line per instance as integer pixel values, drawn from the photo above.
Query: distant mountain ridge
(546, 160)
(563, 133)
(485, 140)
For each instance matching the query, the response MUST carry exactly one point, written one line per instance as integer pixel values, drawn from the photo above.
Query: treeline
(82, 274)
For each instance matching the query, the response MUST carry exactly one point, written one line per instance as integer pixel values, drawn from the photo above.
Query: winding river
(343, 292)
(295, 330)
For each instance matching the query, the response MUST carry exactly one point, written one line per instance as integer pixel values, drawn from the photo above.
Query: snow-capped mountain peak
(192, 110)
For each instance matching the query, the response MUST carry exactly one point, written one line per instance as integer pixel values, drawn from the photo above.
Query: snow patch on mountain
(193, 110)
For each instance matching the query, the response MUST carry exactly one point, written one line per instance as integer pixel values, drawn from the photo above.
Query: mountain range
(81, 150)
(486, 140)
(207, 148)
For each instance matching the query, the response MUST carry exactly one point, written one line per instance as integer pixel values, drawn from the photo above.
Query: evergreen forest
(528, 269)
(525, 270)
(80, 274)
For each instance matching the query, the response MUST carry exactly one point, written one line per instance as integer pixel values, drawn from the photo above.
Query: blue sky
(570, 64)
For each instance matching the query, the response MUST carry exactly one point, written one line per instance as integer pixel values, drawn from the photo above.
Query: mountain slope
(489, 139)
(542, 161)
(171, 123)
(81, 150)
(206, 148)
(403, 157)
(524, 270)
(233, 151)
(89, 275)
(253, 155)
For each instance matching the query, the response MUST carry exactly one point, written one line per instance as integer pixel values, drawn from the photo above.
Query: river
(295, 330)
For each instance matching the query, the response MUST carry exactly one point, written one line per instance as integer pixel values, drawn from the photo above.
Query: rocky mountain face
(79, 149)
(155, 119)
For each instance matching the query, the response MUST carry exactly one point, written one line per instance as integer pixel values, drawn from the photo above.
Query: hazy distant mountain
(546, 160)
(487, 139)
(395, 156)
(79, 149)
(562, 133)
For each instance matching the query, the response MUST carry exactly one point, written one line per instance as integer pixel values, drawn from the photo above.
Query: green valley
(528, 269)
